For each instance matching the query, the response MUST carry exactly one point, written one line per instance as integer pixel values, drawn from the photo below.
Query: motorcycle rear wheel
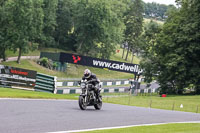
(81, 102)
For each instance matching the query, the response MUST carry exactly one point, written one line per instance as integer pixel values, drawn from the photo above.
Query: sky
(167, 2)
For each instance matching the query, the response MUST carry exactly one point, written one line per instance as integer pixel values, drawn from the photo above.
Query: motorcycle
(88, 96)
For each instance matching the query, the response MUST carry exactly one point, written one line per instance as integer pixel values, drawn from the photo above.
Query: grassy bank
(10, 53)
(73, 71)
(166, 128)
(189, 103)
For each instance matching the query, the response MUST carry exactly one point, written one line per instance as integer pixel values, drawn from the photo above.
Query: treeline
(171, 54)
(88, 27)
(156, 11)
(95, 27)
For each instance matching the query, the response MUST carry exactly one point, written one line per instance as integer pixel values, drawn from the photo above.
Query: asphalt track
(41, 116)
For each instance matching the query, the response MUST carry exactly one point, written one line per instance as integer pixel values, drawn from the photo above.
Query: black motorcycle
(88, 96)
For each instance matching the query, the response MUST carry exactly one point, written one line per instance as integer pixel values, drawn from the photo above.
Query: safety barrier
(104, 83)
(108, 90)
(104, 90)
(45, 83)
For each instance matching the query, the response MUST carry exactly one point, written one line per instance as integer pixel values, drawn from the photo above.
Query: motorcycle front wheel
(99, 104)
(81, 103)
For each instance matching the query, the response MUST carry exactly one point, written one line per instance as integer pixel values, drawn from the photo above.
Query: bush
(43, 61)
(48, 63)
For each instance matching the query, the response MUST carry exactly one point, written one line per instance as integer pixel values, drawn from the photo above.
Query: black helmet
(87, 73)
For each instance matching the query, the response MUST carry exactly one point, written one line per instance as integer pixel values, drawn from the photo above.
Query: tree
(24, 26)
(64, 32)
(49, 8)
(97, 28)
(147, 48)
(155, 10)
(5, 20)
(176, 53)
(38, 23)
(133, 22)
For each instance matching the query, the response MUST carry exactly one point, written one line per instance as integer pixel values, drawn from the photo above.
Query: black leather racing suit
(93, 79)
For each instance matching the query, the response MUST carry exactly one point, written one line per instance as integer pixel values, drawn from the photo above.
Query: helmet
(87, 73)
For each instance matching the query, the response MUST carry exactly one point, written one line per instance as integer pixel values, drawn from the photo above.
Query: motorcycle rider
(91, 78)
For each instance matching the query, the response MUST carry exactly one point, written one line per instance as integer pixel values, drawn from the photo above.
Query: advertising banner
(12, 76)
(100, 63)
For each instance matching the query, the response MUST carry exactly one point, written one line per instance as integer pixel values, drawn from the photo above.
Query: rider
(91, 78)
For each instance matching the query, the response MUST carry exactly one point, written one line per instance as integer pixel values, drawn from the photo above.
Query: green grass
(73, 71)
(166, 128)
(190, 103)
(10, 53)
(32, 65)
(15, 93)
(118, 57)
(157, 21)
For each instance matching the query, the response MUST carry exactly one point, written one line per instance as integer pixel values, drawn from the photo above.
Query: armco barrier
(75, 90)
(45, 83)
(72, 87)
(104, 83)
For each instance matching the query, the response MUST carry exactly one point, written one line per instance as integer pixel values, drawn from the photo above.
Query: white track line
(85, 130)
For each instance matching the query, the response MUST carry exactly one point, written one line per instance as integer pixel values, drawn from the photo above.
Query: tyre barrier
(45, 83)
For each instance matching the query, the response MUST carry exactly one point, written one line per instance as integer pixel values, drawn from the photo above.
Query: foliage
(45, 62)
(49, 22)
(175, 57)
(155, 10)
(23, 29)
(133, 20)
(151, 31)
(64, 36)
(5, 20)
(97, 28)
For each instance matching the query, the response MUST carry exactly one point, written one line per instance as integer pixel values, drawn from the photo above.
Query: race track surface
(41, 116)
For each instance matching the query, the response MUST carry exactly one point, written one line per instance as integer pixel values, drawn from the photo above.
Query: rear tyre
(81, 103)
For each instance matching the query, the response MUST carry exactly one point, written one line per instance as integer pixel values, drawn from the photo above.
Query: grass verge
(165, 128)
(189, 103)
(15, 93)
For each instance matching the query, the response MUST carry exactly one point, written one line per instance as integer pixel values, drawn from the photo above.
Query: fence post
(150, 103)
(55, 85)
(129, 99)
(173, 106)
(197, 109)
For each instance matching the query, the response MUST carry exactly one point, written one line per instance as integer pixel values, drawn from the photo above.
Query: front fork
(85, 98)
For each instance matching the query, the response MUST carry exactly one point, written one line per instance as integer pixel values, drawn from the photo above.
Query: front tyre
(99, 104)
(81, 103)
